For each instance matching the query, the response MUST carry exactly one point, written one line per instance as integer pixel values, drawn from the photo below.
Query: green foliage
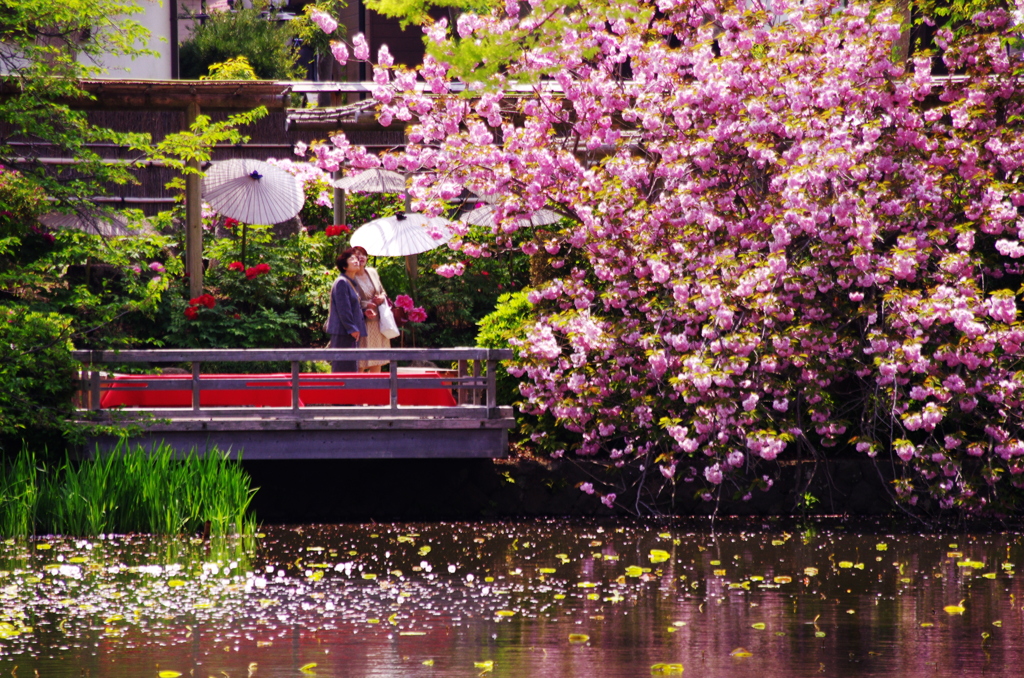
(47, 47)
(244, 32)
(22, 201)
(417, 11)
(487, 57)
(131, 489)
(509, 320)
(238, 68)
(185, 151)
(310, 34)
(37, 377)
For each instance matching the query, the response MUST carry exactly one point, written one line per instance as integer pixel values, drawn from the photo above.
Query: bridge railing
(472, 381)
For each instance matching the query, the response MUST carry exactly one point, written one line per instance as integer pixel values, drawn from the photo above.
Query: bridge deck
(401, 413)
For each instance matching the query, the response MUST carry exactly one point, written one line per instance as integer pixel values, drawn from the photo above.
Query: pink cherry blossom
(781, 244)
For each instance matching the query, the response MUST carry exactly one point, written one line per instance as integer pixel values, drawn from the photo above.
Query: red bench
(270, 390)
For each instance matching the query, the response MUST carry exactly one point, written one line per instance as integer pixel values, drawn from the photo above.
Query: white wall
(156, 18)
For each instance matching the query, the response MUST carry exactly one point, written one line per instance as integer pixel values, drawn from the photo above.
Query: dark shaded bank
(310, 491)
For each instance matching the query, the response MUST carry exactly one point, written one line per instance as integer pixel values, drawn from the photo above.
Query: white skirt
(373, 339)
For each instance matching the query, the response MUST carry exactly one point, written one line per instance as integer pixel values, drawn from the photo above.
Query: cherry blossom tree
(777, 241)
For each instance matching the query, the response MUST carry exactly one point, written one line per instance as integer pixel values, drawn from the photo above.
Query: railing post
(492, 384)
(393, 383)
(464, 395)
(295, 385)
(94, 390)
(478, 395)
(195, 385)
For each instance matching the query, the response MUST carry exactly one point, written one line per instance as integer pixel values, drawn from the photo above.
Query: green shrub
(507, 321)
(21, 203)
(227, 35)
(37, 378)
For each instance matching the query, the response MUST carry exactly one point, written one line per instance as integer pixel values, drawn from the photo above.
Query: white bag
(388, 326)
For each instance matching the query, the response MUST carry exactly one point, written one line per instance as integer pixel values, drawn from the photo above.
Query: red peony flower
(417, 315)
(206, 300)
(337, 229)
(251, 273)
(191, 313)
(230, 223)
(236, 266)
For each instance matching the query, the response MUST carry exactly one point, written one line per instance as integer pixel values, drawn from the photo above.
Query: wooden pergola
(193, 97)
(351, 111)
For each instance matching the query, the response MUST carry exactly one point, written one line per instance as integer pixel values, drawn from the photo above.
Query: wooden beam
(193, 218)
(338, 444)
(174, 355)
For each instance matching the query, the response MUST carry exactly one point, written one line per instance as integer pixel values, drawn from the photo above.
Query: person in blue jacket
(345, 321)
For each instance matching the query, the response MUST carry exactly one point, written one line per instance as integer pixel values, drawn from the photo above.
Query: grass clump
(130, 489)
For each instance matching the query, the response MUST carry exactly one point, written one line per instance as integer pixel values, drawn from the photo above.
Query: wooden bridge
(404, 412)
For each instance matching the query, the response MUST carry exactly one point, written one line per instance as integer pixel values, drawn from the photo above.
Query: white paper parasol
(373, 181)
(252, 191)
(484, 216)
(401, 235)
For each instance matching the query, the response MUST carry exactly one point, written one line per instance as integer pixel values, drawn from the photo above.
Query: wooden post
(464, 395)
(339, 201)
(94, 390)
(195, 385)
(295, 385)
(492, 385)
(393, 383)
(193, 218)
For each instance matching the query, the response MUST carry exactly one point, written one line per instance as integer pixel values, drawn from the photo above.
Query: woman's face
(360, 260)
(352, 264)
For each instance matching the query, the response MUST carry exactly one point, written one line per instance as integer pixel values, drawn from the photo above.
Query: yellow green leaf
(658, 556)
(428, 662)
(666, 669)
(760, 626)
(578, 637)
(505, 613)
(169, 674)
(741, 652)
(308, 668)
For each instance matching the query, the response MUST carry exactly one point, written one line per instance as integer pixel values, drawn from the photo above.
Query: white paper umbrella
(485, 216)
(252, 191)
(373, 181)
(401, 235)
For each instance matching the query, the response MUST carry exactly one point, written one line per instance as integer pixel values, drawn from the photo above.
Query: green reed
(130, 489)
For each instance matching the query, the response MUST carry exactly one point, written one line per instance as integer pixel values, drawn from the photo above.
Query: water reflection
(535, 598)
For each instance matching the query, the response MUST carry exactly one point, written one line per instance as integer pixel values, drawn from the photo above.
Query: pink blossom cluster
(781, 241)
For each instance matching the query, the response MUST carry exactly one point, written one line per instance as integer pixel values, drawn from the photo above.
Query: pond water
(533, 598)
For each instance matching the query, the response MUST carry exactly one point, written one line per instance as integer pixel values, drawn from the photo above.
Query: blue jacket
(346, 315)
